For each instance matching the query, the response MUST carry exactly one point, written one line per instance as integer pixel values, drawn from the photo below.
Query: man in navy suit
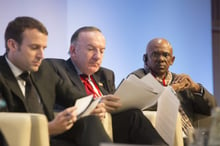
(84, 73)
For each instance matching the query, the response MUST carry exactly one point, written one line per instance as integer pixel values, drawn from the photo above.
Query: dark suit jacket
(3, 141)
(123, 123)
(191, 103)
(48, 84)
(103, 77)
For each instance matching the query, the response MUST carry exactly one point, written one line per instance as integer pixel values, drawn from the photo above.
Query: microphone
(2, 104)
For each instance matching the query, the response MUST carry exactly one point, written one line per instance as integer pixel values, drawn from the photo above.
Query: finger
(188, 84)
(111, 98)
(70, 112)
(71, 121)
(110, 109)
(101, 105)
(69, 125)
(102, 115)
(71, 109)
(178, 86)
(98, 110)
(112, 104)
(179, 78)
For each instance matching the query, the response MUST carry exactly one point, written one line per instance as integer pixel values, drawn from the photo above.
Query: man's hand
(111, 102)
(183, 81)
(100, 111)
(63, 121)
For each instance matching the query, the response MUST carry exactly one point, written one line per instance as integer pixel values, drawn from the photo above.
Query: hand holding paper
(145, 92)
(112, 102)
(138, 93)
(99, 110)
(86, 105)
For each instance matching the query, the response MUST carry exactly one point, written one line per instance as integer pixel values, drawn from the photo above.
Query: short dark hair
(17, 26)
(83, 29)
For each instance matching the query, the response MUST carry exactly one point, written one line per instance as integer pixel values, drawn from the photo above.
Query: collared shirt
(91, 82)
(168, 81)
(16, 71)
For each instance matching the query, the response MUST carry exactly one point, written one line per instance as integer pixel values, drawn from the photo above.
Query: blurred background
(192, 27)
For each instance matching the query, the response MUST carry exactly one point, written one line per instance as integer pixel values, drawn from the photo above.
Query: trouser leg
(3, 141)
(132, 126)
(87, 131)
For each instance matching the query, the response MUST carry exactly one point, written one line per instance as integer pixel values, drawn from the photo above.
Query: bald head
(159, 56)
(159, 43)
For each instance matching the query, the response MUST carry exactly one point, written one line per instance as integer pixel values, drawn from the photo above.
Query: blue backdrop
(127, 25)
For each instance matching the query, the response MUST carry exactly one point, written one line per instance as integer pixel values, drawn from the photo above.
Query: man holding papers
(25, 42)
(193, 97)
(84, 73)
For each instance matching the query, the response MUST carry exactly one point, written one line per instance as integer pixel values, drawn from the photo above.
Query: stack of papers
(138, 93)
(145, 92)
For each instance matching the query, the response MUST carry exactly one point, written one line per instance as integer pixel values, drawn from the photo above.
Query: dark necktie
(31, 97)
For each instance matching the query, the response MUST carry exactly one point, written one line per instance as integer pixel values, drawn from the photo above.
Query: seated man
(28, 84)
(83, 72)
(193, 97)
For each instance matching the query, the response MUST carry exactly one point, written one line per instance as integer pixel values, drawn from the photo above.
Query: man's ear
(145, 58)
(12, 44)
(71, 49)
(172, 61)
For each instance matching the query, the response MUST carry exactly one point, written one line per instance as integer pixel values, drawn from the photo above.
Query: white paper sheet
(91, 107)
(167, 112)
(145, 92)
(138, 93)
(86, 105)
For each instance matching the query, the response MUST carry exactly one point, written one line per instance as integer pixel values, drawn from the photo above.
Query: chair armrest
(39, 130)
(107, 124)
(24, 129)
(16, 128)
(203, 121)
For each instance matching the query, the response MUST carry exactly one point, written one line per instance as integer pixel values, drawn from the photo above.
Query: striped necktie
(90, 86)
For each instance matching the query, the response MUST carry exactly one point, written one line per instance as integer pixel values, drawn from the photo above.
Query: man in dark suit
(84, 73)
(25, 41)
(3, 141)
(193, 97)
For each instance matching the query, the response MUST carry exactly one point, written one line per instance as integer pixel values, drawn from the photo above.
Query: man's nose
(98, 54)
(40, 53)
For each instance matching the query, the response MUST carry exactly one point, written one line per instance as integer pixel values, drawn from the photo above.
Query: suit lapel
(74, 77)
(100, 83)
(10, 78)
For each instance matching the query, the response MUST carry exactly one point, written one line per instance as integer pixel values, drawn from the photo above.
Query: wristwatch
(201, 92)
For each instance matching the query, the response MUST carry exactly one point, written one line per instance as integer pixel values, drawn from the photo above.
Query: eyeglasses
(158, 54)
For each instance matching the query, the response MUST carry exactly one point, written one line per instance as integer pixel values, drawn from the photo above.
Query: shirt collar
(78, 71)
(15, 70)
(165, 81)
